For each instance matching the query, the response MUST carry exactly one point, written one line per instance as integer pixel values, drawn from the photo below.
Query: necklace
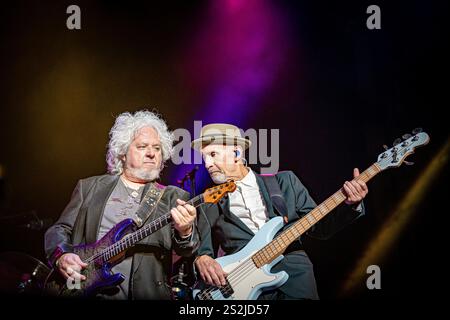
(134, 193)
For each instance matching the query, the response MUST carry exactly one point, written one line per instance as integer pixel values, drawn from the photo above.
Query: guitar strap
(276, 195)
(149, 203)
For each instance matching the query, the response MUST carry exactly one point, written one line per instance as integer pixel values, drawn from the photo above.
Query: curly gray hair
(124, 131)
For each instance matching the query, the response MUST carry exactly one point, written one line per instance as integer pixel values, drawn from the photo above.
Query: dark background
(337, 92)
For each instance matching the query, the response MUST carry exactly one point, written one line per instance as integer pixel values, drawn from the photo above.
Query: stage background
(336, 90)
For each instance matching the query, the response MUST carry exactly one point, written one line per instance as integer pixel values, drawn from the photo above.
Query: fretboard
(131, 239)
(277, 246)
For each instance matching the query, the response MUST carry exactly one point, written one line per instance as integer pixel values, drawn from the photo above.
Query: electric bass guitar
(110, 250)
(248, 271)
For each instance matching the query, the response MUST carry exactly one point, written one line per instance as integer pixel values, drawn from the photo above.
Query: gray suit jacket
(219, 227)
(152, 260)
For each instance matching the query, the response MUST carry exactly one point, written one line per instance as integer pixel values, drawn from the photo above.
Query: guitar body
(249, 281)
(98, 272)
(110, 250)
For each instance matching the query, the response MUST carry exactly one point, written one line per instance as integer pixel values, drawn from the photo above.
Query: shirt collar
(249, 180)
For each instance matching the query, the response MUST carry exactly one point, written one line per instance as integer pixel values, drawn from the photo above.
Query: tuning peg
(408, 163)
(406, 136)
(396, 142)
(385, 147)
(417, 130)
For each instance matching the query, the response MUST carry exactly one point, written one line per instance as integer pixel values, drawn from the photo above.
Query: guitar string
(245, 268)
(109, 252)
(216, 292)
(196, 201)
(149, 226)
(242, 270)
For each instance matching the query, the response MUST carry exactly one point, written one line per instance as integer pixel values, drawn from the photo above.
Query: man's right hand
(210, 271)
(69, 265)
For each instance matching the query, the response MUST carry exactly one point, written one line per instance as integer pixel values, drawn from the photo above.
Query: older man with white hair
(139, 144)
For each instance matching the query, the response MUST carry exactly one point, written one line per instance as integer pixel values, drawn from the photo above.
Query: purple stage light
(238, 53)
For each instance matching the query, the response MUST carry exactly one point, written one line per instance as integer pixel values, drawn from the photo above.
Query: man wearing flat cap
(233, 222)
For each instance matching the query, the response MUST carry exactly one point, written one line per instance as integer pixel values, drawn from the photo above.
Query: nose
(150, 153)
(208, 162)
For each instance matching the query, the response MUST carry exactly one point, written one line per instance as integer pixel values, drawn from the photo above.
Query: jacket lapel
(225, 206)
(102, 192)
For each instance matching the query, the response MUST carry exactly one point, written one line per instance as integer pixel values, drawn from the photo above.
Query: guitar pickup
(226, 290)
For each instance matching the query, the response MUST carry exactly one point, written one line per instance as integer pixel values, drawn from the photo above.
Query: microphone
(191, 174)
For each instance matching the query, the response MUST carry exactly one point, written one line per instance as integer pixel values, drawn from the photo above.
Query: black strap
(276, 196)
(148, 203)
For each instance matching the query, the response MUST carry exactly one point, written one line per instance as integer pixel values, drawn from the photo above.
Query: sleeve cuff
(183, 239)
(358, 208)
(59, 251)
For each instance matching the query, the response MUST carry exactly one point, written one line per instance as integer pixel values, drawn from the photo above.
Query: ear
(238, 152)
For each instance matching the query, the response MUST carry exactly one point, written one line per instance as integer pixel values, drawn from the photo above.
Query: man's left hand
(183, 217)
(355, 190)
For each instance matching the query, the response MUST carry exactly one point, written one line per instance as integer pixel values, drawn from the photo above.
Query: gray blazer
(219, 227)
(152, 260)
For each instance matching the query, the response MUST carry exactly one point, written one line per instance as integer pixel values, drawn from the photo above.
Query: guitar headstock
(214, 194)
(396, 155)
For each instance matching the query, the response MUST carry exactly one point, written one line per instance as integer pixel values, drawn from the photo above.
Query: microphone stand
(192, 180)
(180, 288)
(190, 176)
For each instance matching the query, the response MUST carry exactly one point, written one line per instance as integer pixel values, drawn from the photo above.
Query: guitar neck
(160, 222)
(277, 246)
(131, 239)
